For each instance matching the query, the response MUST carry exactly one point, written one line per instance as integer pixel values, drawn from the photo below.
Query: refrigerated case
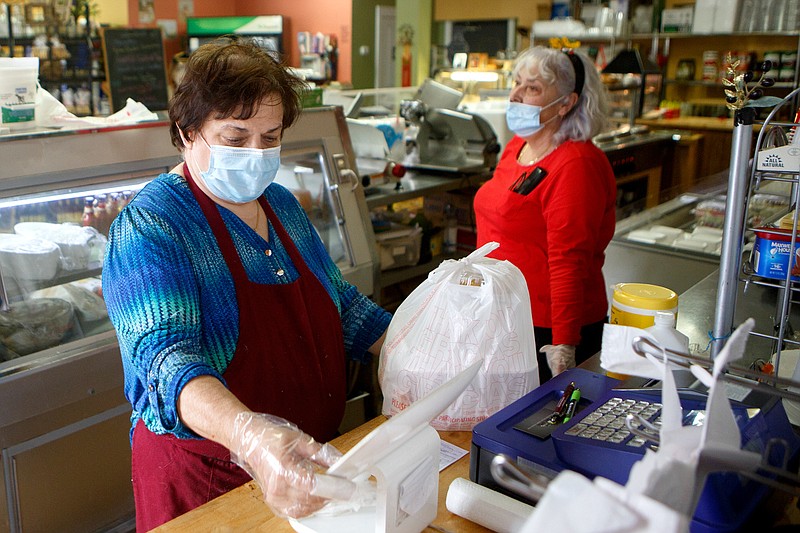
(266, 30)
(677, 244)
(64, 420)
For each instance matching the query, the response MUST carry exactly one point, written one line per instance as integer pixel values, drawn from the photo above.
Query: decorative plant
(738, 94)
(78, 9)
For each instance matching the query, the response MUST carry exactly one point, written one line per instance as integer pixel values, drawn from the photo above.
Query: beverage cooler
(266, 30)
(64, 420)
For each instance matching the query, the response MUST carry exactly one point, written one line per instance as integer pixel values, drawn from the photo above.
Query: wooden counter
(713, 151)
(243, 509)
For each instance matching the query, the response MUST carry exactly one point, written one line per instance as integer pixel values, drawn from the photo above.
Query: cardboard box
(715, 16)
(704, 13)
(678, 20)
(399, 247)
(726, 15)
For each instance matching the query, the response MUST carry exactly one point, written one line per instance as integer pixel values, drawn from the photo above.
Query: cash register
(595, 441)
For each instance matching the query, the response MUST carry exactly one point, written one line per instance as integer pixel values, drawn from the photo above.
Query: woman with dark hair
(234, 324)
(551, 202)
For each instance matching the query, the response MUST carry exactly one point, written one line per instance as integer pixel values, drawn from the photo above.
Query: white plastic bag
(444, 326)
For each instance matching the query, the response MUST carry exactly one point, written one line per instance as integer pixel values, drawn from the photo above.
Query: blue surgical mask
(240, 175)
(523, 119)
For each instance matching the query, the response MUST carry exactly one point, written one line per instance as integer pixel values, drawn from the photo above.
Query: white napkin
(676, 474)
(617, 355)
(52, 113)
(574, 503)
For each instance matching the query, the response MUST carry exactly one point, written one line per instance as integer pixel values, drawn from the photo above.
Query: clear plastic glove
(286, 463)
(560, 357)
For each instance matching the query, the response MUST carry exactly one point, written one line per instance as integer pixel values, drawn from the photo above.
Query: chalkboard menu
(134, 61)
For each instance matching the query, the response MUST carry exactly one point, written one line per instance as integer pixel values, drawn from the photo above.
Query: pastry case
(64, 421)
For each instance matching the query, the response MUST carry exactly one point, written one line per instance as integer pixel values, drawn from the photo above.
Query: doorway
(384, 46)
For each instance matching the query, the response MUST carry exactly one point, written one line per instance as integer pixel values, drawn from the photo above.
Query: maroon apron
(289, 362)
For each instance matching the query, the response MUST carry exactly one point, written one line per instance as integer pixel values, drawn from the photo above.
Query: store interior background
(85, 396)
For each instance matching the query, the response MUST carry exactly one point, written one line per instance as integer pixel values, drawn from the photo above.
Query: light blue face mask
(240, 175)
(523, 119)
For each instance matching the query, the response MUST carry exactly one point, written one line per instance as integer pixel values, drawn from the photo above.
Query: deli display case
(677, 243)
(64, 422)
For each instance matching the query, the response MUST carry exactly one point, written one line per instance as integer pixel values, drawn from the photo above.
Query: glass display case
(632, 95)
(60, 371)
(677, 243)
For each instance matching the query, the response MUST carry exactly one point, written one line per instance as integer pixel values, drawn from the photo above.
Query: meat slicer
(447, 140)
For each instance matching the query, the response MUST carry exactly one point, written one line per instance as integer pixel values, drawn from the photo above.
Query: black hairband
(580, 74)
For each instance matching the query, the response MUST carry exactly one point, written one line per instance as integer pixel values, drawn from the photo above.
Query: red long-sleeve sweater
(557, 234)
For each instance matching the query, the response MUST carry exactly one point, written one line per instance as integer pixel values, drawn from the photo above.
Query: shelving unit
(82, 69)
(736, 264)
(415, 185)
(679, 46)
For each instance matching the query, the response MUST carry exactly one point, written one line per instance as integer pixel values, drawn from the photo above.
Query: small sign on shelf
(779, 159)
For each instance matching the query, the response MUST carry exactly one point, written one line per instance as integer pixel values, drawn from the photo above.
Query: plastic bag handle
(482, 252)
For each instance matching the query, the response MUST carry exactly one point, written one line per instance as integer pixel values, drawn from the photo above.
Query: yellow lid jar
(636, 304)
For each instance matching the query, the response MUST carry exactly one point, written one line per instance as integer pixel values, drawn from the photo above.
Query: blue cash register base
(727, 499)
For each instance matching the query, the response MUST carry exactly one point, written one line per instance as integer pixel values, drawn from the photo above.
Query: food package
(466, 310)
(28, 258)
(89, 306)
(34, 325)
(81, 246)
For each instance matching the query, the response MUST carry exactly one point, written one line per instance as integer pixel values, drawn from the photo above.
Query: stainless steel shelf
(415, 184)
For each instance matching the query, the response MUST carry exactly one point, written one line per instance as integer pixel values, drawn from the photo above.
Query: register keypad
(607, 422)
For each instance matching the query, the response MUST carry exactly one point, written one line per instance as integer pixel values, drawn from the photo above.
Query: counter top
(76, 128)
(689, 123)
(415, 184)
(243, 509)
(696, 315)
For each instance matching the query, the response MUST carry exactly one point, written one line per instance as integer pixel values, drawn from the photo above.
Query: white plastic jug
(664, 331)
(18, 79)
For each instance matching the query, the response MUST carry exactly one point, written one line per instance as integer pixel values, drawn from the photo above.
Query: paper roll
(486, 507)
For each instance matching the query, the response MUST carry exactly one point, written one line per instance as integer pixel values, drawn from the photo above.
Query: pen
(561, 406)
(573, 404)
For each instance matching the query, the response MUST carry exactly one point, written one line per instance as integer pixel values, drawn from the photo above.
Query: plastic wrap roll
(486, 507)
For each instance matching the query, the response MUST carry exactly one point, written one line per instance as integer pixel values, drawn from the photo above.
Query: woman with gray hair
(551, 202)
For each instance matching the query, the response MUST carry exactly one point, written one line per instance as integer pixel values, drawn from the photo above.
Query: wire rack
(736, 264)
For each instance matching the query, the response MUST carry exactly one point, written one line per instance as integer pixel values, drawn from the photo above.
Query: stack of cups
(710, 65)
(787, 65)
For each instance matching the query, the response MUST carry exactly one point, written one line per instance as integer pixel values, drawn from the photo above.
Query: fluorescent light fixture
(469, 75)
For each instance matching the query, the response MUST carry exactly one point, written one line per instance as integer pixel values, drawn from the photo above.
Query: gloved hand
(560, 357)
(286, 463)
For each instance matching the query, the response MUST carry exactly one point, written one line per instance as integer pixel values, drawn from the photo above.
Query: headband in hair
(580, 74)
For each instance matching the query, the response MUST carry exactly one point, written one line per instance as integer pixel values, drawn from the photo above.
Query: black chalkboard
(134, 60)
(487, 36)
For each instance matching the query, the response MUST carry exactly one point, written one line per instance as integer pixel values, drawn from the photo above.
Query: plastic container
(636, 304)
(772, 254)
(18, 77)
(665, 333)
(399, 248)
